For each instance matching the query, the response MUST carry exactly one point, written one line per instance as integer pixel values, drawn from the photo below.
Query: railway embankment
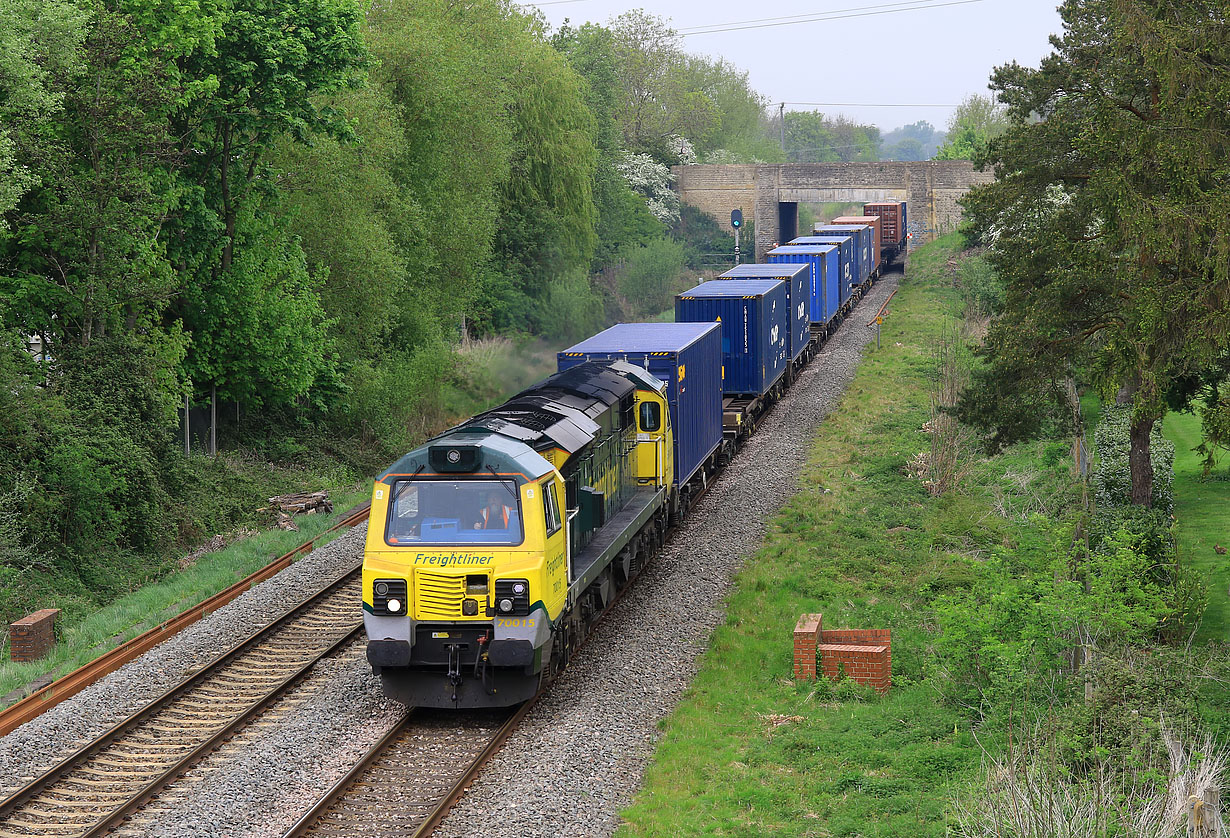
(979, 567)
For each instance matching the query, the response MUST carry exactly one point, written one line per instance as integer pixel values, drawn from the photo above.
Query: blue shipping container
(849, 259)
(865, 236)
(826, 269)
(798, 279)
(755, 318)
(688, 357)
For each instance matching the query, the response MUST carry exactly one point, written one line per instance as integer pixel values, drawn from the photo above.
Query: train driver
(495, 514)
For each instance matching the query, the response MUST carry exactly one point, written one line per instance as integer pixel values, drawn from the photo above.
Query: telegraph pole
(781, 126)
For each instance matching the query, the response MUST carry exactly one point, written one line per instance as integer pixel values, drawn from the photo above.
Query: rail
(20, 712)
(108, 778)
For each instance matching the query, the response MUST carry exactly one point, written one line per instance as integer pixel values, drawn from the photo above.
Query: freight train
(493, 548)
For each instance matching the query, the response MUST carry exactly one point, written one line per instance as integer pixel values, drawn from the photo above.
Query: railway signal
(736, 221)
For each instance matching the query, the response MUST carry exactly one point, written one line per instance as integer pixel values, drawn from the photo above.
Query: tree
(272, 67)
(1106, 218)
(624, 219)
(40, 45)
(916, 141)
(975, 122)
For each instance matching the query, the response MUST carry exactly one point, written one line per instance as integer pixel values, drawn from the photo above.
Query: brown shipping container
(891, 233)
(876, 238)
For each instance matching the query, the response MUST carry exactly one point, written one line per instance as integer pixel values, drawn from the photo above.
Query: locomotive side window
(550, 507)
(651, 416)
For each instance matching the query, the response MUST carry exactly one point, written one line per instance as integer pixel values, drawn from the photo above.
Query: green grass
(83, 639)
(749, 751)
(1202, 507)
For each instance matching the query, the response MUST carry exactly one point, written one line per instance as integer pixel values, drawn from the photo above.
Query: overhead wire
(835, 15)
(806, 15)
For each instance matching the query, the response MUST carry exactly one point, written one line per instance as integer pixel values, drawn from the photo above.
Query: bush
(1134, 697)
(1112, 482)
(651, 276)
(1028, 794)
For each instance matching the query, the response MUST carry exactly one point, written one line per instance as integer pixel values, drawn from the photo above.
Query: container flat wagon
(863, 244)
(893, 226)
(848, 246)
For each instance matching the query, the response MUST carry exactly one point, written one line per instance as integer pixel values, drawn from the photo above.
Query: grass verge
(84, 638)
(1202, 507)
(751, 752)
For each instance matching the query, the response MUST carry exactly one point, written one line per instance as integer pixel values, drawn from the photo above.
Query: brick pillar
(32, 636)
(806, 640)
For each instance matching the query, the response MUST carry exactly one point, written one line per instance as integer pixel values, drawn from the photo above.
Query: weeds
(951, 441)
(1029, 794)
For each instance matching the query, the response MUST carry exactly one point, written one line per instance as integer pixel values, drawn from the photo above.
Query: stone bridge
(770, 194)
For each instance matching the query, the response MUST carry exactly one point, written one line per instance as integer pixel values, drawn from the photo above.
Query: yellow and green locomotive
(492, 548)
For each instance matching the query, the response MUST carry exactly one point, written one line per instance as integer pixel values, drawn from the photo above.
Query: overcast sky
(870, 52)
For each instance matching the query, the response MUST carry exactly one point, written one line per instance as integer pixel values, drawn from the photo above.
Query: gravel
(41, 743)
(579, 756)
(263, 781)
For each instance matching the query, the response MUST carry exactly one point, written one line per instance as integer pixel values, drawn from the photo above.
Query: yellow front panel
(437, 574)
(438, 596)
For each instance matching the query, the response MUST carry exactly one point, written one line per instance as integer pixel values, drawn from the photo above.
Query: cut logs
(299, 503)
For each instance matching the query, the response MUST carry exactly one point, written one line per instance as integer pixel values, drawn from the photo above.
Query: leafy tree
(738, 123)
(916, 141)
(88, 255)
(352, 218)
(975, 122)
(274, 62)
(663, 95)
(39, 48)
(1106, 218)
(623, 219)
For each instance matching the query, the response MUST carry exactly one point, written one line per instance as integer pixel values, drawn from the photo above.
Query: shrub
(1112, 482)
(650, 276)
(1132, 697)
(1027, 794)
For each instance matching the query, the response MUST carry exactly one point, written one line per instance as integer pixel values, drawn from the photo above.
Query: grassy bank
(83, 636)
(749, 751)
(1202, 510)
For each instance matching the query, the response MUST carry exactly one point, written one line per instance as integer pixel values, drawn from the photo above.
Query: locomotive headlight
(382, 589)
(518, 588)
(506, 605)
(394, 606)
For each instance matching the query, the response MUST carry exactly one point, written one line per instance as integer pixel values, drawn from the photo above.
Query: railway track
(408, 780)
(95, 788)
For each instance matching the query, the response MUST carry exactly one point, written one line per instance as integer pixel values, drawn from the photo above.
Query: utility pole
(781, 126)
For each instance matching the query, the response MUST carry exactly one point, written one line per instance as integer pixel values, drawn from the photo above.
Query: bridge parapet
(771, 193)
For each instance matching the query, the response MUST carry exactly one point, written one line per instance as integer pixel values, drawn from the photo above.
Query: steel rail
(20, 712)
(202, 750)
(338, 790)
(308, 823)
(115, 734)
(459, 788)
